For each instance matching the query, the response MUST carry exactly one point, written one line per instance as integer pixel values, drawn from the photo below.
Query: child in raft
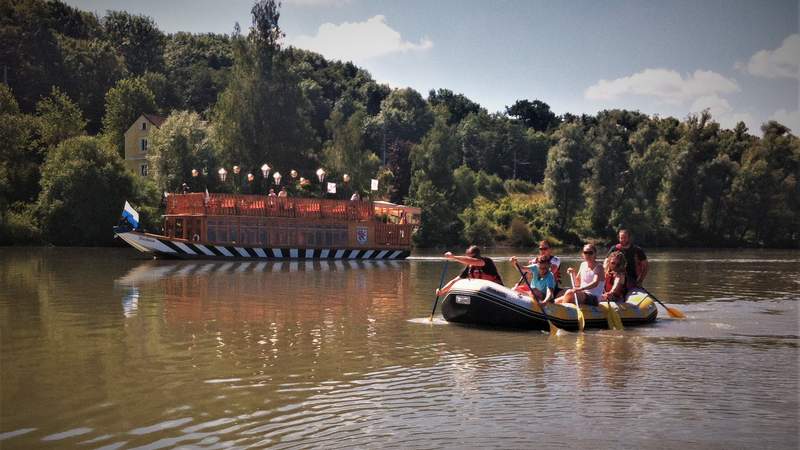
(588, 281)
(543, 282)
(615, 288)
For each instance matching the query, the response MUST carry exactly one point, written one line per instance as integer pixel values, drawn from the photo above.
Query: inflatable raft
(481, 302)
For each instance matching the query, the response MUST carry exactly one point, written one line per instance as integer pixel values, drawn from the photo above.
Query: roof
(154, 119)
(388, 205)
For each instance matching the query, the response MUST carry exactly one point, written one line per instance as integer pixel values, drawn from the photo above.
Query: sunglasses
(544, 248)
(588, 253)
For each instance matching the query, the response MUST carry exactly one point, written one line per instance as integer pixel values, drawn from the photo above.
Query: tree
(262, 114)
(683, 187)
(137, 39)
(58, 119)
(458, 106)
(199, 66)
(124, 103)
(765, 194)
(19, 156)
(91, 68)
(84, 186)
(535, 114)
(29, 51)
(181, 144)
(435, 157)
(564, 173)
(346, 152)
(440, 224)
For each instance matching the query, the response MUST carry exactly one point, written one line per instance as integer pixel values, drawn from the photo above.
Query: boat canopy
(395, 213)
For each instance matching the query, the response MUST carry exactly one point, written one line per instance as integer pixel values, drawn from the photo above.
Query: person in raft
(543, 282)
(555, 263)
(589, 280)
(635, 259)
(615, 288)
(477, 266)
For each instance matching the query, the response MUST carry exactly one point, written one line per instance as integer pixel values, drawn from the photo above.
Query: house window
(144, 145)
(143, 170)
(144, 125)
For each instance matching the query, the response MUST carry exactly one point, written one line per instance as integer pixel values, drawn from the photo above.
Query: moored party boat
(228, 226)
(482, 302)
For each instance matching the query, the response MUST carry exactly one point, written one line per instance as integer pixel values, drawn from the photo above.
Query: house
(137, 139)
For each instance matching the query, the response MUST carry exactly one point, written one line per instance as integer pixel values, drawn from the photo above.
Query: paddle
(673, 312)
(581, 320)
(614, 321)
(553, 328)
(441, 283)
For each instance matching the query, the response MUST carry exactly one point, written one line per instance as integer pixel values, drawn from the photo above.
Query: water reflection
(326, 354)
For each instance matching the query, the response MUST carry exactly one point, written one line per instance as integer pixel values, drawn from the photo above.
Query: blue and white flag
(129, 213)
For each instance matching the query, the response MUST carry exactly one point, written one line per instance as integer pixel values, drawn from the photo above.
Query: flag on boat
(207, 197)
(129, 213)
(331, 188)
(374, 185)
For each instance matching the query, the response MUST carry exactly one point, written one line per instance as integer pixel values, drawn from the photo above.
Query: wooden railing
(261, 206)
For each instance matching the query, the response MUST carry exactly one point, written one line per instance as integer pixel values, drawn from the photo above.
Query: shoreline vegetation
(75, 82)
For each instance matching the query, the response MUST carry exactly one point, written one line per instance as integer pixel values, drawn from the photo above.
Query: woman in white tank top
(588, 281)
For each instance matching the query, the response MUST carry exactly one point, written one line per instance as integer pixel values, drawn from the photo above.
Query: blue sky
(738, 58)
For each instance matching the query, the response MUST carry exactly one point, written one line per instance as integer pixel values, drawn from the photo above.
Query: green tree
(124, 103)
(534, 114)
(181, 144)
(91, 68)
(199, 66)
(440, 224)
(164, 92)
(684, 192)
(261, 116)
(58, 119)
(29, 32)
(458, 106)
(435, 157)
(564, 173)
(84, 187)
(19, 155)
(765, 195)
(137, 39)
(346, 152)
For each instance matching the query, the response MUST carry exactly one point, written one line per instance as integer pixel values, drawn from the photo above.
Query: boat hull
(164, 247)
(481, 302)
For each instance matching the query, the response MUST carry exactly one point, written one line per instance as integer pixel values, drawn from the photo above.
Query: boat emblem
(462, 299)
(362, 235)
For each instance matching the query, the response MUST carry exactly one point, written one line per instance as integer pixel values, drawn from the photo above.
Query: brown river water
(100, 348)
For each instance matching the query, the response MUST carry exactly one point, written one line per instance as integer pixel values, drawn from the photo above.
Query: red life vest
(609, 284)
(477, 272)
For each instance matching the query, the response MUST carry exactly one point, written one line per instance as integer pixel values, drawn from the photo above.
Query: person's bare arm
(466, 260)
(446, 288)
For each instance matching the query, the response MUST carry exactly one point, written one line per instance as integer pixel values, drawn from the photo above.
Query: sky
(737, 58)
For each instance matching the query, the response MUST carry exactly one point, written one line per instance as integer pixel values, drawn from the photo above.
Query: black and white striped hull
(169, 248)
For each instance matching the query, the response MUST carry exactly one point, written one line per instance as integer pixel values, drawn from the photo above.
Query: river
(101, 348)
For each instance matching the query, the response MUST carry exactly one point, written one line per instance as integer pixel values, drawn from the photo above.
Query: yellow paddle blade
(553, 329)
(613, 319)
(616, 319)
(675, 313)
(581, 320)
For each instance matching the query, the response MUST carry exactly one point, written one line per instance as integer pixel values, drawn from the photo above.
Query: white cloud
(358, 41)
(783, 62)
(722, 112)
(665, 85)
(789, 118)
(714, 103)
(313, 3)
